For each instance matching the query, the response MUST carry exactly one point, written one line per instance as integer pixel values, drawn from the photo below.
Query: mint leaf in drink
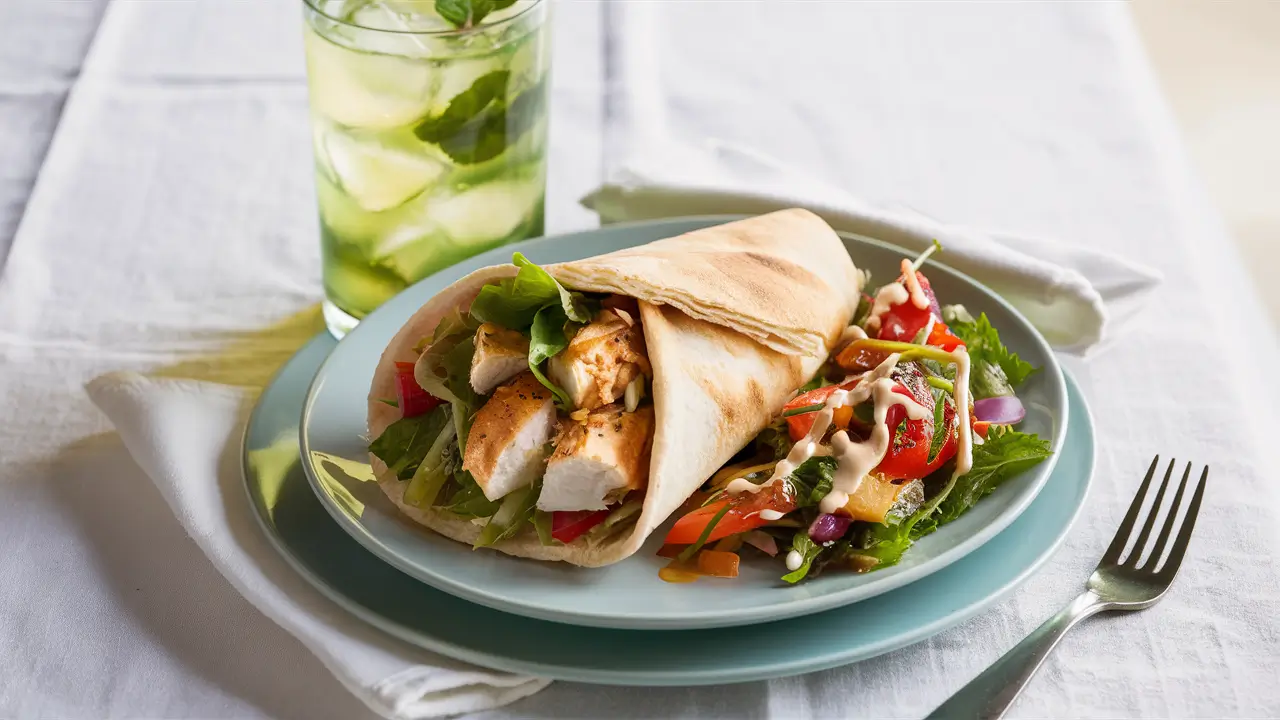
(463, 14)
(465, 108)
(479, 123)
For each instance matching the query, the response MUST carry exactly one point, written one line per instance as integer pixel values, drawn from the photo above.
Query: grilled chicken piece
(501, 354)
(598, 460)
(601, 359)
(506, 447)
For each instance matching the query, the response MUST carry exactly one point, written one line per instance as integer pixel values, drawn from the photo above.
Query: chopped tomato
(908, 452)
(903, 322)
(981, 427)
(942, 337)
(569, 525)
(743, 515)
(798, 425)
(410, 396)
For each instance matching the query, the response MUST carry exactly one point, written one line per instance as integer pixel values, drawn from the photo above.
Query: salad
(911, 421)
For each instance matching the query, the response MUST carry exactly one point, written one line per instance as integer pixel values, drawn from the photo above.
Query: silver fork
(1114, 585)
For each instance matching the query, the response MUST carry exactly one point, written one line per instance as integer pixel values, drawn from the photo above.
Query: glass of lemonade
(430, 140)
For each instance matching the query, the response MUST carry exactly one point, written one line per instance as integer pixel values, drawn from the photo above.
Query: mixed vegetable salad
(908, 424)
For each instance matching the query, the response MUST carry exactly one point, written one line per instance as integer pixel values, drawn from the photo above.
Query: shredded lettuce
(405, 442)
(516, 510)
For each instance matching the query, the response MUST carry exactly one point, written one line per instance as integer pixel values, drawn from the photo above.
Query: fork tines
(1170, 566)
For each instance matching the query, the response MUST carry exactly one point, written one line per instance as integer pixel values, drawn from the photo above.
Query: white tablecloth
(173, 220)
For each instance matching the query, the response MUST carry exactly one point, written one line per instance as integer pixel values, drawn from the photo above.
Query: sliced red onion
(1005, 410)
(761, 541)
(827, 528)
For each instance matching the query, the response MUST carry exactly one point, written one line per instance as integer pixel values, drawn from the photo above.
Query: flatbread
(717, 382)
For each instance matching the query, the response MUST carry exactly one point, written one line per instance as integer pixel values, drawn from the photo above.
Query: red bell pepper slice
(569, 525)
(410, 396)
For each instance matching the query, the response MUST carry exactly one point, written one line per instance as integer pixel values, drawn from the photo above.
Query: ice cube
(402, 20)
(414, 247)
(363, 89)
(456, 76)
(487, 212)
(377, 173)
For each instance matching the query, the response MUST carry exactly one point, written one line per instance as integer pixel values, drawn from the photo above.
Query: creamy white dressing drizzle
(851, 333)
(894, 293)
(794, 560)
(850, 456)
(857, 459)
(964, 439)
(918, 298)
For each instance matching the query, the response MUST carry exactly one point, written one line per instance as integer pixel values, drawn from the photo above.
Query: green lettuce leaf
(812, 480)
(547, 338)
(405, 442)
(1005, 453)
(995, 370)
(536, 304)
(514, 302)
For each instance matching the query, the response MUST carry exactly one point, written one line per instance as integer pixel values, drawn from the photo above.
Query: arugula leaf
(468, 13)
(991, 359)
(940, 433)
(547, 338)
(808, 550)
(1005, 453)
(405, 442)
(812, 480)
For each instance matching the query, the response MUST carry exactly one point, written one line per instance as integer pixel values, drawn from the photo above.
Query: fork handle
(990, 694)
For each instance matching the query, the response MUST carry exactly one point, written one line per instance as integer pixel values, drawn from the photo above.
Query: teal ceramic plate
(629, 595)
(307, 537)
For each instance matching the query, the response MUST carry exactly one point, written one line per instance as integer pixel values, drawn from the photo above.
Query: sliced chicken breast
(506, 448)
(598, 460)
(602, 359)
(501, 354)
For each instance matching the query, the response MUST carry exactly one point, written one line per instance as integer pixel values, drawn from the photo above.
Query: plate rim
(710, 618)
(659, 678)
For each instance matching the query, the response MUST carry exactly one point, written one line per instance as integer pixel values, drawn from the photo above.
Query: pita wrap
(735, 317)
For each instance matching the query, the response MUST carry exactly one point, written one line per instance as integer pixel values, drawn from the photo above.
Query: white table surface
(179, 173)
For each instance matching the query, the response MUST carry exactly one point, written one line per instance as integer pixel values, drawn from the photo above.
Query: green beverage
(429, 125)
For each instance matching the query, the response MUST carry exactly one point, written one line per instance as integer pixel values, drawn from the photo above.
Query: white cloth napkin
(1075, 295)
(186, 436)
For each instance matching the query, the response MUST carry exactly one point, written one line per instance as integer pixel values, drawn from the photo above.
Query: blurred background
(1218, 62)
